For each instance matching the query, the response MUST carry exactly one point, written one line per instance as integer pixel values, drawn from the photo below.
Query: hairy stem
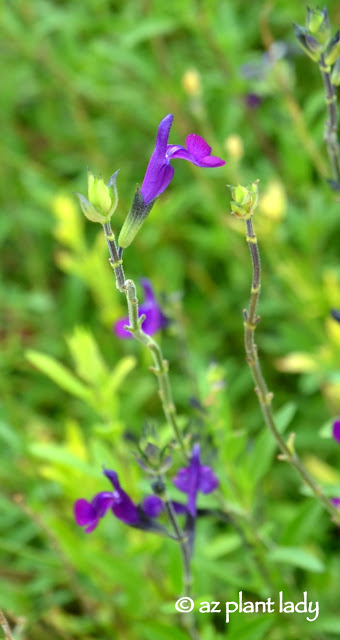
(331, 127)
(187, 577)
(5, 626)
(161, 367)
(116, 261)
(264, 396)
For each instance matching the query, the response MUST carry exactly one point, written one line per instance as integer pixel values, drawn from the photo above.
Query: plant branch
(331, 127)
(161, 366)
(264, 396)
(116, 261)
(5, 626)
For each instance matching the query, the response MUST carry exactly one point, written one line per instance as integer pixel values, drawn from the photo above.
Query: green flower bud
(102, 198)
(335, 74)
(245, 200)
(333, 50)
(134, 219)
(318, 24)
(308, 43)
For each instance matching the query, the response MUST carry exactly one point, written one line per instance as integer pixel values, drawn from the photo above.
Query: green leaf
(297, 558)
(261, 458)
(246, 627)
(119, 373)
(59, 374)
(222, 545)
(89, 362)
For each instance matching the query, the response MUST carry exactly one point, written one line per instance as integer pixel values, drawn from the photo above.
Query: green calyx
(102, 198)
(318, 24)
(244, 200)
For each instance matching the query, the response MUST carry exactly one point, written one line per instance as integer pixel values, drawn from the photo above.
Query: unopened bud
(191, 82)
(245, 200)
(333, 50)
(308, 43)
(335, 74)
(234, 146)
(102, 198)
(318, 24)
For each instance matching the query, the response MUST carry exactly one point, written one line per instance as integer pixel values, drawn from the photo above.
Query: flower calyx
(102, 198)
(244, 200)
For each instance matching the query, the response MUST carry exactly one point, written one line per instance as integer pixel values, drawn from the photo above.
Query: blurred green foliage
(86, 84)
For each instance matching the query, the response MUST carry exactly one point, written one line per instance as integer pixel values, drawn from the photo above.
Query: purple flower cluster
(191, 480)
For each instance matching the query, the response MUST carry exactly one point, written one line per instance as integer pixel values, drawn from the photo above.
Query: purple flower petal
(336, 430)
(195, 478)
(159, 172)
(198, 152)
(336, 502)
(182, 479)
(179, 508)
(152, 506)
(154, 320)
(208, 481)
(87, 514)
(122, 505)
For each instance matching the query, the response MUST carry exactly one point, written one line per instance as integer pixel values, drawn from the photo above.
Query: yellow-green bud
(102, 198)
(318, 24)
(245, 200)
(333, 50)
(335, 74)
(310, 45)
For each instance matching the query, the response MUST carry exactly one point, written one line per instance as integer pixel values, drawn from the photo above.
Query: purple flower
(336, 436)
(335, 313)
(252, 100)
(159, 172)
(155, 318)
(88, 514)
(195, 478)
(336, 430)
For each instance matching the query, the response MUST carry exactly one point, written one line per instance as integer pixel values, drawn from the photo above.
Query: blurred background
(86, 85)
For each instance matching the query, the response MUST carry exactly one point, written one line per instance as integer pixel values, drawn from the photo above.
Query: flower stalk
(161, 366)
(251, 320)
(5, 626)
(115, 259)
(188, 618)
(331, 126)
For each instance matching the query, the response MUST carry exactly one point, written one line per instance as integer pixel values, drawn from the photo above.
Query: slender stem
(187, 577)
(161, 368)
(5, 626)
(116, 261)
(264, 396)
(183, 541)
(331, 127)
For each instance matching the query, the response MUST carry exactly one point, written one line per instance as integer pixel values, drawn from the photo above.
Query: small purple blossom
(336, 430)
(336, 436)
(335, 313)
(152, 506)
(88, 514)
(159, 172)
(195, 478)
(154, 317)
(252, 100)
